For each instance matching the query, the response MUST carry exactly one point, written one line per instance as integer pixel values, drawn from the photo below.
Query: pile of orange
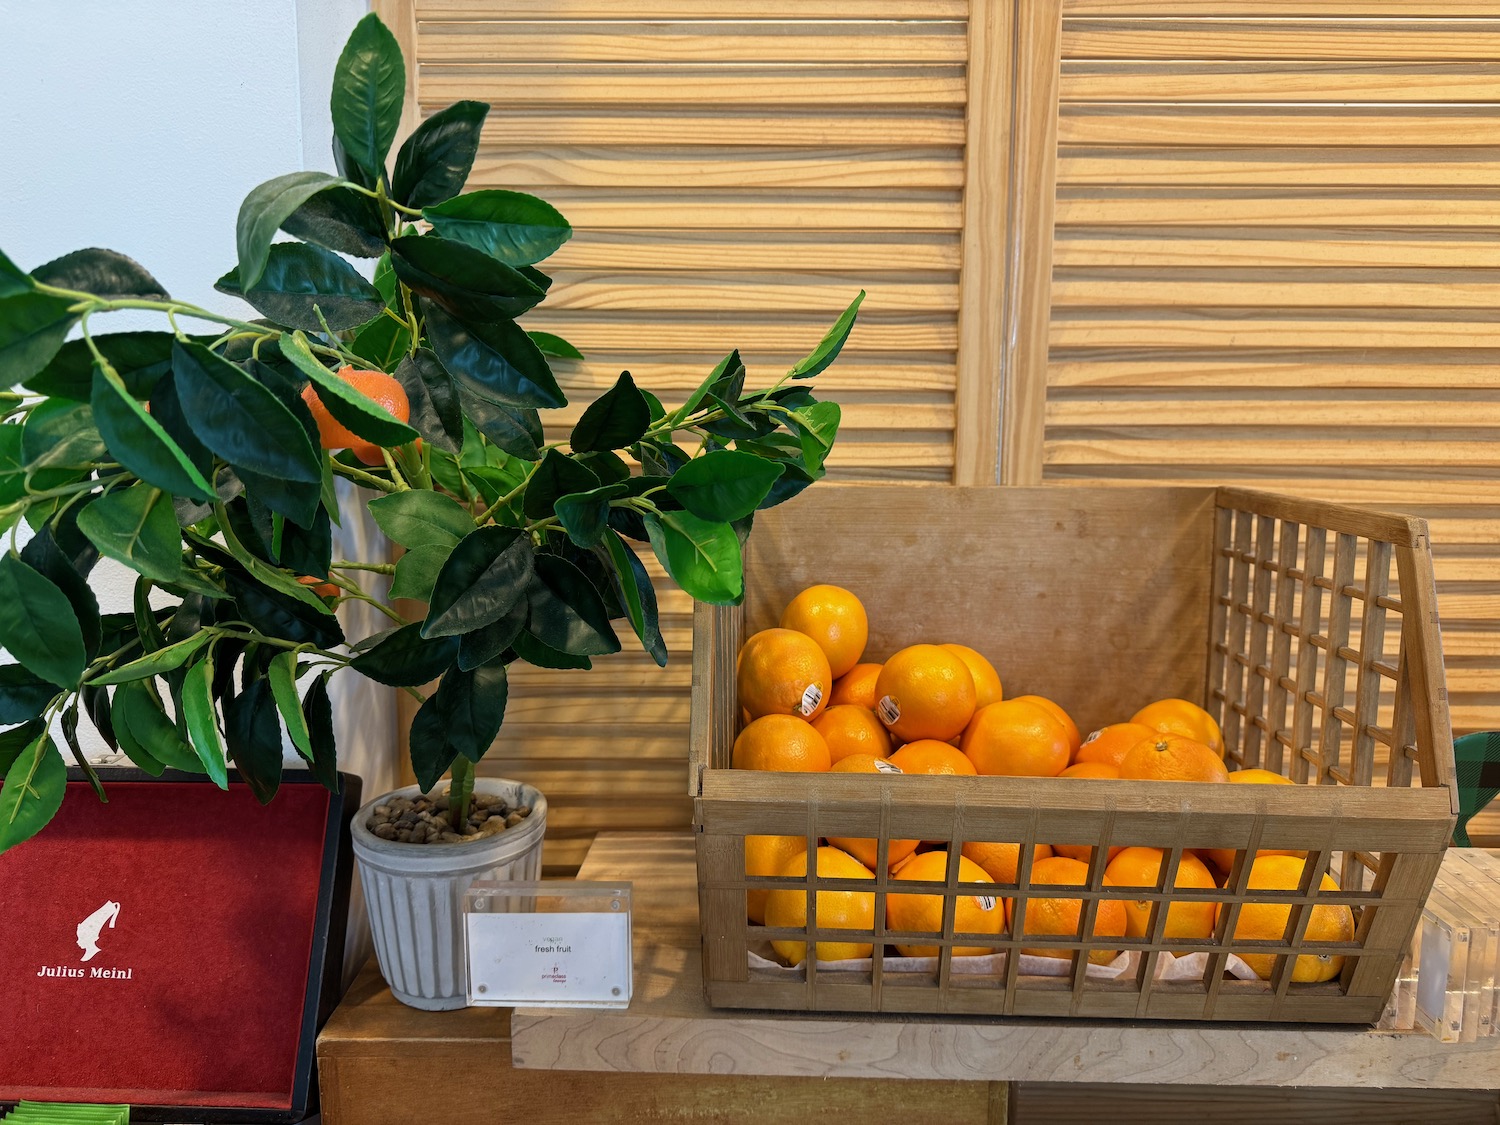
(812, 701)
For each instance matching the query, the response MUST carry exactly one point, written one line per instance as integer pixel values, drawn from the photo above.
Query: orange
(1141, 867)
(1223, 858)
(782, 672)
(1082, 852)
(781, 742)
(1267, 921)
(852, 730)
(927, 755)
(865, 850)
(1063, 917)
(319, 587)
(1091, 769)
(923, 913)
(767, 855)
(1110, 744)
(1074, 738)
(925, 691)
(836, 910)
(1178, 716)
(856, 686)
(1016, 738)
(987, 686)
(1172, 757)
(384, 389)
(834, 618)
(1000, 860)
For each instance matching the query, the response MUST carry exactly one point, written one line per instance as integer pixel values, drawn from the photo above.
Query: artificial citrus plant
(209, 462)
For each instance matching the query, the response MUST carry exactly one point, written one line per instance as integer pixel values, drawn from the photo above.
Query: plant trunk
(460, 793)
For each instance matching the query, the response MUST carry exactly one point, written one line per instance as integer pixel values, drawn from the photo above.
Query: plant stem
(390, 464)
(369, 480)
(489, 513)
(377, 568)
(381, 197)
(460, 794)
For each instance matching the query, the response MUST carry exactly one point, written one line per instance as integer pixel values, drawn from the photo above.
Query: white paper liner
(1168, 966)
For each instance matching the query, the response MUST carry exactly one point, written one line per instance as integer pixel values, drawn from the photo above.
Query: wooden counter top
(668, 1029)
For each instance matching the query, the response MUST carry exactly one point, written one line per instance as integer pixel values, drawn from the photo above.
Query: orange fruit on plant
(987, 686)
(1110, 744)
(1267, 921)
(782, 672)
(1178, 716)
(856, 686)
(1172, 757)
(852, 730)
(1100, 770)
(836, 910)
(928, 755)
(925, 691)
(1074, 738)
(1141, 867)
(866, 850)
(1063, 917)
(1001, 861)
(923, 913)
(781, 742)
(1016, 738)
(1223, 858)
(384, 389)
(834, 618)
(319, 587)
(767, 855)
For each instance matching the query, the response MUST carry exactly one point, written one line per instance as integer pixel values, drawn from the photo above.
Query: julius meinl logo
(89, 932)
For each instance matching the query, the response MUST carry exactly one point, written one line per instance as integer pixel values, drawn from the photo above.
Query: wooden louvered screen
(1274, 244)
(735, 174)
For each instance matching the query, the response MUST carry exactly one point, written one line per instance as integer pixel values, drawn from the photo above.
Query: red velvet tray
(170, 949)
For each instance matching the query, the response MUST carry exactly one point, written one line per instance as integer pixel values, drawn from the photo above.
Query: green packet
(68, 1113)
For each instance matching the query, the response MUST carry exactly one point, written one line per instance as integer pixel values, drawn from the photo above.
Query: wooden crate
(1309, 630)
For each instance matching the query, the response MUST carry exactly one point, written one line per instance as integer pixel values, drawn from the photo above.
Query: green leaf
(404, 658)
(463, 717)
(555, 346)
(417, 571)
(33, 327)
(203, 721)
(264, 210)
(510, 226)
(140, 359)
(816, 425)
(567, 613)
(417, 518)
(484, 646)
(828, 348)
(23, 694)
(350, 407)
(435, 160)
(301, 280)
(14, 742)
(37, 624)
(13, 279)
(340, 219)
(431, 752)
(147, 627)
(138, 527)
(145, 733)
(254, 738)
(617, 418)
(166, 410)
(487, 573)
(33, 791)
(274, 614)
(496, 362)
(557, 475)
(724, 370)
(317, 713)
(585, 515)
(44, 555)
(467, 282)
(158, 663)
(543, 655)
(60, 435)
(369, 85)
(263, 574)
(282, 674)
(383, 342)
(139, 442)
(436, 412)
(103, 273)
(723, 486)
(69, 723)
(638, 596)
(515, 430)
(703, 557)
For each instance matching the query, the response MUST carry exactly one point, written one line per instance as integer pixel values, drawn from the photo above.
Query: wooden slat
(1363, 369)
(939, 128)
(1177, 81)
(1173, 36)
(698, 250)
(1285, 247)
(690, 9)
(1377, 127)
(1288, 207)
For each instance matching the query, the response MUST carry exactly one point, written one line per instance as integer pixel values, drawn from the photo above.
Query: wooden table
(669, 1054)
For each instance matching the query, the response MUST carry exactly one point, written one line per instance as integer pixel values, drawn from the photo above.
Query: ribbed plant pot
(414, 893)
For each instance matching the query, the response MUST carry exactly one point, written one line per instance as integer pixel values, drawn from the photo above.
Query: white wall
(140, 125)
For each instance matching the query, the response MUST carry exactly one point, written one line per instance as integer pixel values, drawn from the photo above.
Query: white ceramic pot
(414, 893)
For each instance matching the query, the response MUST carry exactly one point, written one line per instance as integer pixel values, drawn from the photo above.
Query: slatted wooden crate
(1308, 629)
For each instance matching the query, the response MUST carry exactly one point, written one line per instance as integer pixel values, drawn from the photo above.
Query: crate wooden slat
(1309, 629)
